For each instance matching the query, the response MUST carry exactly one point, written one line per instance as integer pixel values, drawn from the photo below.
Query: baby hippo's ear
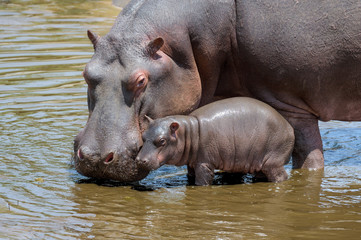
(150, 120)
(173, 128)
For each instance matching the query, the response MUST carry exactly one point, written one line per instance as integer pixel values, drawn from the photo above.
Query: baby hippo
(240, 135)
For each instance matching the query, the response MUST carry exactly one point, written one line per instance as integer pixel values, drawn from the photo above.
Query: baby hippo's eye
(161, 142)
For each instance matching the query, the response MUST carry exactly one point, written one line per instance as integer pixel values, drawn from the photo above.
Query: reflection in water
(302, 206)
(43, 49)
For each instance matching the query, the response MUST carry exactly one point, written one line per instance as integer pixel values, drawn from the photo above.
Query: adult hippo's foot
(308, 150)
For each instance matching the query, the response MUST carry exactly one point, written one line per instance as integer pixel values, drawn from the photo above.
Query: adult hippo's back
(166, 57)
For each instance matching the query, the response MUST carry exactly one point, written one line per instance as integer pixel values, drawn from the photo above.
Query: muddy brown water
(43, 49)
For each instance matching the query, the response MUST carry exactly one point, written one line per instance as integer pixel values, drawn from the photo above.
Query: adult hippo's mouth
(124, 170)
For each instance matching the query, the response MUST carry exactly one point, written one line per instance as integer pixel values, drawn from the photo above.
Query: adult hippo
(165, 57)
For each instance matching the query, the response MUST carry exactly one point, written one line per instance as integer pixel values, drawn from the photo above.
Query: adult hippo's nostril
(80, 154)
(109, 158)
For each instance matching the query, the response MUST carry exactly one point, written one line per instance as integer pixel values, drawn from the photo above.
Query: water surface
(43, 49)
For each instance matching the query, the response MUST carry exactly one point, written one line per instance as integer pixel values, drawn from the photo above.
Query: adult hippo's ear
(154, 46)
(93, 37)
(174, 126)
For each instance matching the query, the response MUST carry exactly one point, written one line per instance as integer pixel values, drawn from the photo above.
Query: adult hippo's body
(166, 57)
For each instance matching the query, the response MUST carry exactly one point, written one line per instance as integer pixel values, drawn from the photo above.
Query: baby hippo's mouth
(160, 162)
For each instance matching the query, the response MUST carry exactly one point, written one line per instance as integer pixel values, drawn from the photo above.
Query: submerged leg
(204, 174)
(308, 150)
(191, 175)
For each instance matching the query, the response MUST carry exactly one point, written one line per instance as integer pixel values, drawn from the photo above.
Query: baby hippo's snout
(144, 163)
(147, 158)
(142, 159)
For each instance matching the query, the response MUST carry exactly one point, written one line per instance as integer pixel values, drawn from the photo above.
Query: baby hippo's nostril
(109, 158)
(141, 161)
(80, 154)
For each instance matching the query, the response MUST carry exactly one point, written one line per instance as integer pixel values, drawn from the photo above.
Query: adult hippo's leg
(204, 174)
(308, 151)
(191, 175)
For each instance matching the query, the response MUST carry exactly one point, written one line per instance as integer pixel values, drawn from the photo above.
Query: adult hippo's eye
(140, 83)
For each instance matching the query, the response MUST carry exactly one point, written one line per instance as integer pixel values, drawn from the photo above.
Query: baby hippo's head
(160, 144)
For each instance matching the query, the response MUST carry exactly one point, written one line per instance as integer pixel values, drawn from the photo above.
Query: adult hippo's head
(129, 77)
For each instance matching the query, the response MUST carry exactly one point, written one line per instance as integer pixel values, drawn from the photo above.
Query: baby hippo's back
(243, 135)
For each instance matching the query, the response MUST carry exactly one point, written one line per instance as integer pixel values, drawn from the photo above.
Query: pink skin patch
(80, 154)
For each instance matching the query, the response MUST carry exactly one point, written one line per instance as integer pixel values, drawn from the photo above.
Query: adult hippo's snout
(115, 166)
(105, 160)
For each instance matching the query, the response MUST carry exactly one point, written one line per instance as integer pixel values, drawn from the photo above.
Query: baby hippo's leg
(275, 174)
(204, 174)
(273, 164)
